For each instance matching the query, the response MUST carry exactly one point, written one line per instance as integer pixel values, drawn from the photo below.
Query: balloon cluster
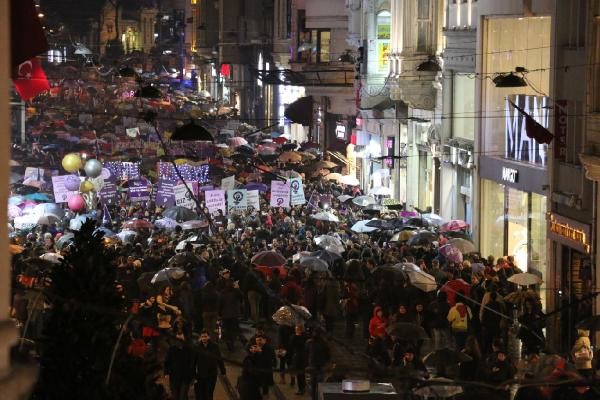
(73, 163)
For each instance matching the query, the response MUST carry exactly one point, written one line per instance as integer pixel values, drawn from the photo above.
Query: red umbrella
(454, 225)
(268, 271)
(268, 259)
(137, 224)
(455, 286)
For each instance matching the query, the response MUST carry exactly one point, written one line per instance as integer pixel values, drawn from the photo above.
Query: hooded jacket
(377, 325)
(459, 316)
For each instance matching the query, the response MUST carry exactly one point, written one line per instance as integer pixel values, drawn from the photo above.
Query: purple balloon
(72, 182)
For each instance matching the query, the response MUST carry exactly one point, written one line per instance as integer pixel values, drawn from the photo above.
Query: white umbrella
(381, 191)
(433, 219)
(166, 274)
(52, 257)
(325, 216)
(421, 280)
(349, 180)
(330, 243)
(82, 50)
(361, 227)
(192, 240)
(126, 235)
(364, 201)
(344, 198)
(166, 223)
(525, 279)
(25, 222)
(48, 219)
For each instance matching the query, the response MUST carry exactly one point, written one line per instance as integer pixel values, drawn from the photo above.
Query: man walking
(208, 362)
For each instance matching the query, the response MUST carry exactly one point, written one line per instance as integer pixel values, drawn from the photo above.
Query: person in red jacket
(377, 323)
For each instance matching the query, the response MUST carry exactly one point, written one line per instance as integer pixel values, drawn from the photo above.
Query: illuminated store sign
(571, 233)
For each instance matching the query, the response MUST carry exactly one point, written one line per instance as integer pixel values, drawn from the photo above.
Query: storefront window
(517, 220)
(492, 219)
(537, 256)
(383, 40)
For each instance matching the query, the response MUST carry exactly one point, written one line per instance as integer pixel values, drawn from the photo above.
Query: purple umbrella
(409, 214)
(261, 187)
(451, 253)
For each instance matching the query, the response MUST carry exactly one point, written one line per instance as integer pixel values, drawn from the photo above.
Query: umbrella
(167, 274)
(63, 240)
(126, 235)
(422, 238)
(453, 225)
(49, 209)
(193, 241)
(291, 315)
(334, 176)
(446, 356)
(363, 201)
(194, 224)
(372, 209)
(406, 331)
(344, 198)
(296, 257)
(290, 174)
(417, 221)
(290, 157)
(330, 243)
(349, 180)
(166, 223)
(421, 280)
(438, 390)
(14, 211)
(38, 197)
(179, 213)
(384, 224)
(409, 214)
(323, 165)
(137, 224)
(75, 223)
(524, 278)
(184, 259)
(105, 232)
(54, 258)
(314, 264)
(433, 219)
(328, 256)
(325, 216)
(457, 234)
(463, 245)
(361, 227)
(381, 191)
(455, 286)
(591, 323)
(48, 219)
(268, 259)
(402, 236)
(451, 253)
(261, 187)
(237, 142)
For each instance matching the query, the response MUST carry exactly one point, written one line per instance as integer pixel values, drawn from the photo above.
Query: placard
(237, 200)
(139, 190)
(34, 174)
(215, 200)
(280, 194)
(297, 192)
(61, 194)
(165, 197)
(253, 200)
(183, 197)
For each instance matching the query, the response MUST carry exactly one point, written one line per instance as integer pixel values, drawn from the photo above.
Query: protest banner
(297, 192)
(215, 200)
(280, 194)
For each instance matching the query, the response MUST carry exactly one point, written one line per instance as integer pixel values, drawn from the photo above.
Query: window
(383, 40)
(321, 42)
(463, 97)
(423, 26)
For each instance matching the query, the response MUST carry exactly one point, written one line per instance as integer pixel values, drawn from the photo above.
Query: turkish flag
(533, 129)
(26, 33)
(31, 79)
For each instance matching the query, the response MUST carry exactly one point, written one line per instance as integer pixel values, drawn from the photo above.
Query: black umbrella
(179, 213)
(289, 146)
(184, 259)
(406, 331)
(301, 111)
(328, 256)
(422, 238)
(192, 132)
(592, 323)
(446, 356)
(418, 222)
(245, 149)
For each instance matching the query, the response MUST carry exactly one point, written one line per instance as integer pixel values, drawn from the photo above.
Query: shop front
(572, 279)
(513, 212)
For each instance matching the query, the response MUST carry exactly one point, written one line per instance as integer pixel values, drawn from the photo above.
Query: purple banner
(108, 193)
(139, 190)
(164, 193)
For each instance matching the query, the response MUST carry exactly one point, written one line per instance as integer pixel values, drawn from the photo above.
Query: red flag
(533, 129)
(31, 79)
(26, 33)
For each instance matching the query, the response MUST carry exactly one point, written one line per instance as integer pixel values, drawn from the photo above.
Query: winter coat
(248, 384)
(265, 362)
(318, 352)
(179, 363)
(331, 298)
(438, 311)
(208, 360)
(210, 297)
(377, 325)
(582, 352)
(459, 316)
(351, 298)
(297, 352)
(229, 303)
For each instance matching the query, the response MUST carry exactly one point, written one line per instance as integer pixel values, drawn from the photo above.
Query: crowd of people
(192, 317)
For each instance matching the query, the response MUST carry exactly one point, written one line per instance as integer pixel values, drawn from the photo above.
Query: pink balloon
(76, 203)
(72, 182)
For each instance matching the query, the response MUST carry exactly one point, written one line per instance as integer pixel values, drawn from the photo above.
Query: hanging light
(431, 65)
(511, 80)
(192, 132)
